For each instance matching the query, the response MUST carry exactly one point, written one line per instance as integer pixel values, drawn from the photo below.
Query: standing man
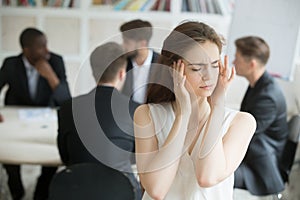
(136, 36)
(97, 127)
(259, 172)
(36, 77)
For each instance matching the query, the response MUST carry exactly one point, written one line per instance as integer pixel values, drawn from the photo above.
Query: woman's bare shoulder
(141, 114)
(244, 119)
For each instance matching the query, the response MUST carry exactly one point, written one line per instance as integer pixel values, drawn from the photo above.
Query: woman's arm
(158, 167)
(222, 159)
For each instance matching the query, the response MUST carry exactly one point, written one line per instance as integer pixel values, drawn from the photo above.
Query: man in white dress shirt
(136, 36)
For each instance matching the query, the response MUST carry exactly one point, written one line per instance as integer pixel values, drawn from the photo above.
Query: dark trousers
(239, 180)
(16, 186)
(136, 186)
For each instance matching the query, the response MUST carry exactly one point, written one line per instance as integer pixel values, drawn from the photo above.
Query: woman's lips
(206, 87)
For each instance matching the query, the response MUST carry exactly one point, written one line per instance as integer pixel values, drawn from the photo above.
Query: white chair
(289, 152)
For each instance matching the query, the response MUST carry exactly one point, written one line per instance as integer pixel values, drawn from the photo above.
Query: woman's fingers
(181, 67)
(178, 72)
(232, 74)
(226, 62)
(224, 70)
(224, 67)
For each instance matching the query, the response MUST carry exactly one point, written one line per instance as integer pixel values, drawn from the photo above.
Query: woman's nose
(205, 73)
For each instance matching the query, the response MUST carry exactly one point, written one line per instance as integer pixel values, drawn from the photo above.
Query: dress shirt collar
(147, 62)
(28, 66)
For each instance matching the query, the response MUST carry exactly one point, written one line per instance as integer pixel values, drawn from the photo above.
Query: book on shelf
(217, 7)
(143, 5)
(148, 5)
(203, 6)
(162, 5)
(51, 3)
(21, 3)
(66, 3)
(167, 6)
(97, 2)
(136, 5)
(32, 2)
(104, 2)
(6, 3)
(128, 5)
(192, 5)
(222, 7)
(210, 7)
(156, 5)
(59, 3)
(121, 4)
(184, 6)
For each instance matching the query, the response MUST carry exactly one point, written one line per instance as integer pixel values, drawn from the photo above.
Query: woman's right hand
(224, 79)
(182, 96)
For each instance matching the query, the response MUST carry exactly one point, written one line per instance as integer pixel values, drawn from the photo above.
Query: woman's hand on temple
(183, 103)
(224, 78)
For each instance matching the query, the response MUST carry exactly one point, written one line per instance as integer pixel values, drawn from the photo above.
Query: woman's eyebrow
(203, 64)
(200, 64)
(216, 61)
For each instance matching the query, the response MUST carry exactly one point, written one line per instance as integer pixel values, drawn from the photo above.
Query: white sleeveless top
(185, 185)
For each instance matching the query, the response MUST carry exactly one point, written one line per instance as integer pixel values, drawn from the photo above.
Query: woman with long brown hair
(188, 144)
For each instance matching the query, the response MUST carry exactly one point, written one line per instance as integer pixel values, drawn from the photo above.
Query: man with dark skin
(36, 77)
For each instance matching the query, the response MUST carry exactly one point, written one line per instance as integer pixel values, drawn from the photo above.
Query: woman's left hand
(224, 78)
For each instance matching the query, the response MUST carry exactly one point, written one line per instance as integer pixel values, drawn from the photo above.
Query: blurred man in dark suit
(259, 172)
(36, 77)
(97, 127)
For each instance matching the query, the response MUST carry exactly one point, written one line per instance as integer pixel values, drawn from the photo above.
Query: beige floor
(292, 192)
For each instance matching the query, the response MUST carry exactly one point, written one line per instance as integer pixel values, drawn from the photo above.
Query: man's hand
(45, 70)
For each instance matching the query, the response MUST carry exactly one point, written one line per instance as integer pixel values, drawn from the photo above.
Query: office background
(75, 31)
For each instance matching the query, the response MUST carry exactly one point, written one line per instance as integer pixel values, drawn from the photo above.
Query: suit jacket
(260, 166)
(98, 128)
(13, 73)
(128, 85)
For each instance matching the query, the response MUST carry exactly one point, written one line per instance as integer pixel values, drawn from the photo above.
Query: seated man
(98, 127)
(36, 77)
(259, 171)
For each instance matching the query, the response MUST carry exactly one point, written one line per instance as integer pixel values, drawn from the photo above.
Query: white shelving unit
(74, 32)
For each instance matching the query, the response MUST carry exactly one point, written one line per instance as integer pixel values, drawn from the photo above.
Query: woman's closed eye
(197, 69)
(202, 67)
